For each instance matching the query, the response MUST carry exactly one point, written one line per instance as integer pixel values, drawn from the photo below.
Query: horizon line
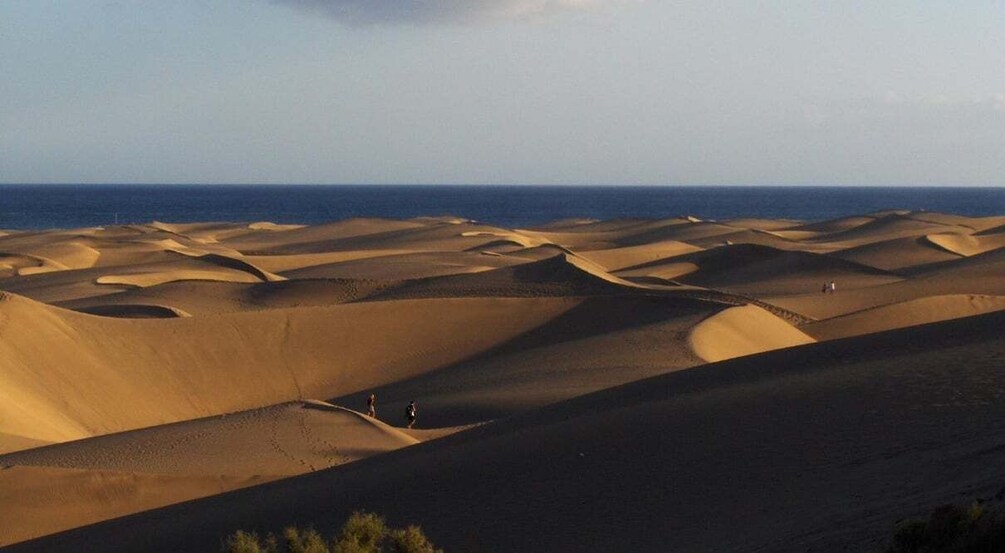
(515, 185)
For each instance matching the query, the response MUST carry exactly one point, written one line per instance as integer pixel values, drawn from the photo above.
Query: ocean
(71, 206)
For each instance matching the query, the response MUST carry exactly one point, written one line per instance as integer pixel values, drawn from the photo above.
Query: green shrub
(411, 540)
(304, 541)
(362, 533)
(271, 544)
(243, 542)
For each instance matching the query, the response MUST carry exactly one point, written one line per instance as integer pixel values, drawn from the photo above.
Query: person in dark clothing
(410, 413)
(371, 406)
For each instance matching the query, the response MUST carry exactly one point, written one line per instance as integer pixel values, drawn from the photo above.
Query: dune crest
(740, 331)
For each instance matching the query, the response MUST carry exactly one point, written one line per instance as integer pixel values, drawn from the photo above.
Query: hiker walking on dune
(410, 413)
(371, 406)
(831, 286)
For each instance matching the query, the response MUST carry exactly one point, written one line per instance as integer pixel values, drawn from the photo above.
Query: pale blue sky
(503, 91)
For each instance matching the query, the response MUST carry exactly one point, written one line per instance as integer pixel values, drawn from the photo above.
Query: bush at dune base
(952, 529)
(362, 533)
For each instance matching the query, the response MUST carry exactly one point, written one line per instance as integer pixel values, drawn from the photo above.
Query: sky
(761, 92)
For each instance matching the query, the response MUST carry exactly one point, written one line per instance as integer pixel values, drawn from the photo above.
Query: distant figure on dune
(832, 287)
(371, 406)
(826, 287)
(410, 413)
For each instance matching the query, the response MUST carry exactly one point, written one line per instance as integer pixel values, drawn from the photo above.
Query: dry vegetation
(361, 533)
(952, 529)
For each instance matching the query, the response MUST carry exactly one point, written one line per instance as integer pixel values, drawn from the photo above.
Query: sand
(671, 384)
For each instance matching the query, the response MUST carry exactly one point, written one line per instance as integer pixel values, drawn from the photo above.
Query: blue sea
(69, 206)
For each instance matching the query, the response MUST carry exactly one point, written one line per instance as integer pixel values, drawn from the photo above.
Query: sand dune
(601, 342)
(65, 255)
(283, 263)
(212, 233)
(762, 224)
(143, 280)
(990, 230)
(285, 439)
(763, 270)
(888, 227)
(558, 275)
(623, 258)
(213, 297)
(88, 496)
(134, 311)
(204, 267)
(897, 254)
(967, 245)
(69, 376)
(33, 253)
(740, 331)
(190, 296)
(773, 239)
(978, 224)
(690, 232)
(409, 236)
(897, 435)
(405, 266)
(977, 275)
(607, 234)
(643, 384)
(22, 265)
(123, 473)
(833, 225)
(312, 237)
(11, 442)
(908, 313)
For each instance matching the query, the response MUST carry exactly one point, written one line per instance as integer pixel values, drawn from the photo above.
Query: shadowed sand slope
(976, 275)
(561, 274)
(621, 258)
(967, 245)
(50, 488)
(600, 343)
(405, 266)
(909, 313)
(208, 298)
(43, 500)
(894, 225)
(898, 253)
(912, 419)
(759, 269)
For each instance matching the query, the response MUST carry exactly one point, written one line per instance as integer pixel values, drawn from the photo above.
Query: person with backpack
(410, 413)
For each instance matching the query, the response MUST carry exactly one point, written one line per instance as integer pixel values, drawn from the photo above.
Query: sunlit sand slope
(67, 375)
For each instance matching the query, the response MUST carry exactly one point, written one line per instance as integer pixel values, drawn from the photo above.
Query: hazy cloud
(432, 11)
